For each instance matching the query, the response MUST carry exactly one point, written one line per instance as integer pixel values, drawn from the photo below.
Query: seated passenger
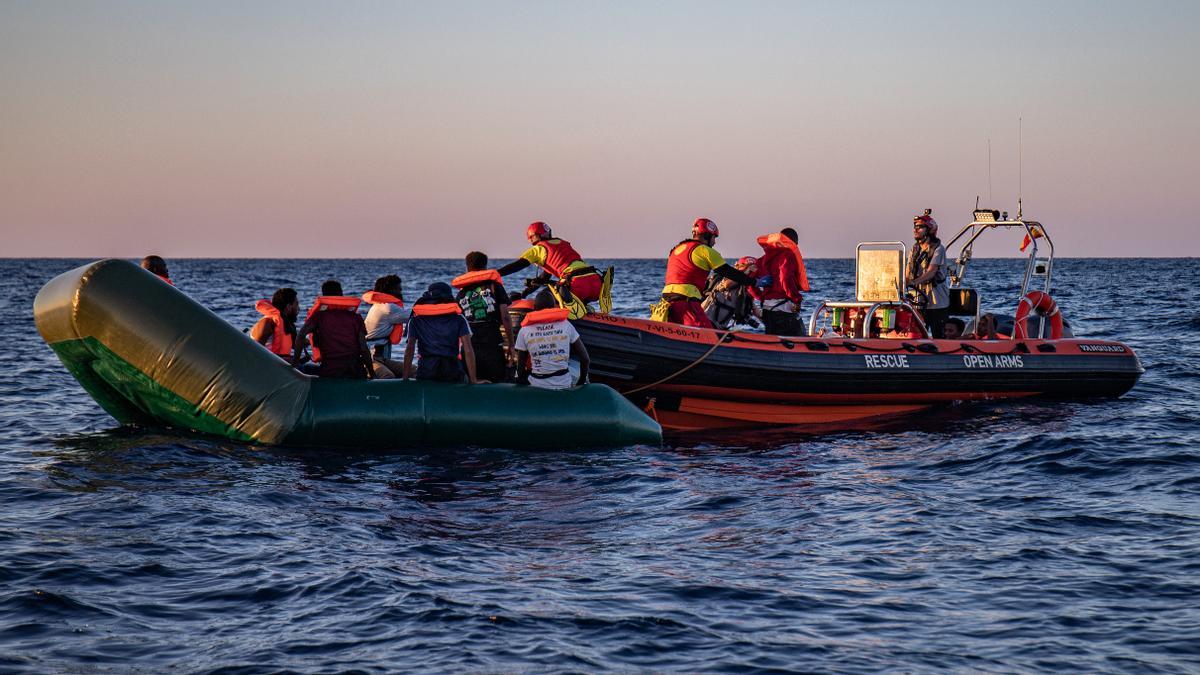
(953, 329)
(986, 329)
(158, 267)
(385, 325)
(436, 332)
(277, 329)
(484, 303)
(545, 345)
(338, 334)
(727, 303)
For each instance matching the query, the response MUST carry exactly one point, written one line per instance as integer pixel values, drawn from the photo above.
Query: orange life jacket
(324, 302)
(476, 277)
(778, 240)
(436, 309)
(559, 254)
(681, 269)
(281, 340)
(546, 316)
(381, 298)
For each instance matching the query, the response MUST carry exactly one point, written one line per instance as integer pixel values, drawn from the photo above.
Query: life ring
(1042, 304)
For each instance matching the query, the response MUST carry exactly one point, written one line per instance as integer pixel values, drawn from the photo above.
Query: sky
(428, 129)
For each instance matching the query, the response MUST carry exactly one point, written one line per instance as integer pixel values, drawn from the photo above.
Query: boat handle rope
(726, 336)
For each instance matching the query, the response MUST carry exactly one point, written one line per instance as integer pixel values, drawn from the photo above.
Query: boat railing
(869, 315)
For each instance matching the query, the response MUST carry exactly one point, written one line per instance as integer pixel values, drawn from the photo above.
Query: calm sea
(985, 537)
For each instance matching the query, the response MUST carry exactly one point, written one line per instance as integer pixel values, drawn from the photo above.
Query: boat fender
(1043, 305)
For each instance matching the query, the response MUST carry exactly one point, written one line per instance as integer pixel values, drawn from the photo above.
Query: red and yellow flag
(1037, 234)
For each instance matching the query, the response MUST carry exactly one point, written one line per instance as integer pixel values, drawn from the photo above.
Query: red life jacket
(559, 254)
(281, 340)
(381, 298)
(328, 302)
(436, 309)
(681, 269)
(476, 277)
(546, 316)
(780, 244)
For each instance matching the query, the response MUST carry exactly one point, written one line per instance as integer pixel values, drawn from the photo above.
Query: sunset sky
(426, 129)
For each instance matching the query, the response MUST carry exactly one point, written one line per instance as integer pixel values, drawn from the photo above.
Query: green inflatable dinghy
(151, 355)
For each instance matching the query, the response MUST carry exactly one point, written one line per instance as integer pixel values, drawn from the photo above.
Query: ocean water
(995, 537)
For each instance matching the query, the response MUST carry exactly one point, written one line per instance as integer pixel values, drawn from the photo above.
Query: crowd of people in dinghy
(463, 331)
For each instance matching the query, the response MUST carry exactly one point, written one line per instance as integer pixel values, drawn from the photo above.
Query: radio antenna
(1020, 164)
(991, 199)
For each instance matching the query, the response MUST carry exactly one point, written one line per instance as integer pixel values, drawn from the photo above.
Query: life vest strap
(545, 376)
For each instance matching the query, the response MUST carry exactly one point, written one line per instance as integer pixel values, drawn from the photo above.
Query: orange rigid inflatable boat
(867, 358)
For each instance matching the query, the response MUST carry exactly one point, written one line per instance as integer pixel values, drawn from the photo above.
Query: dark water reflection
(990, 536)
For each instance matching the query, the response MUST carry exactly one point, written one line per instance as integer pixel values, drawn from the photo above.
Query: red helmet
(538, 229)
(705, 226)
(926, 220)
(746, 262)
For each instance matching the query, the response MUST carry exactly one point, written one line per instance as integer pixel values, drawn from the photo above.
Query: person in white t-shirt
(385, 324)
(547, 341)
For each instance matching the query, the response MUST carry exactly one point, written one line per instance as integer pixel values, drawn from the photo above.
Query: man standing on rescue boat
(688, 266)
(783, 265)
(557, 258)
(927, 273)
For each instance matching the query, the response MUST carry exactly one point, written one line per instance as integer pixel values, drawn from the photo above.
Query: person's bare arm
(263, 330)
(298, 344)
(508, 329)
(468, 353)
(409, 347)
(580, 352)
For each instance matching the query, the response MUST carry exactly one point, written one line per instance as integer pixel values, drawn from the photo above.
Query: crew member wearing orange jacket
(688, 266)
(557, 258)
(783, 266)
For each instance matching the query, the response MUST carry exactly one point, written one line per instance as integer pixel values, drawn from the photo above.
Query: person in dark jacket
(437, 332)
(484, 303)
(339, 335)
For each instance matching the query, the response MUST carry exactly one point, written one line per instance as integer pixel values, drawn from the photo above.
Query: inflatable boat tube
(151, 355)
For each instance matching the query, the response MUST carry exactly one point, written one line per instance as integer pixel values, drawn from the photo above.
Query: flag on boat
(1037, 234)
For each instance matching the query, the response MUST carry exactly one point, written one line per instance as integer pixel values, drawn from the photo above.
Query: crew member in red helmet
(927, 273)
(688, 267)
(557, 258)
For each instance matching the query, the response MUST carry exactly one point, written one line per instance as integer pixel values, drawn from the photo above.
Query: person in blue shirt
(437, 331)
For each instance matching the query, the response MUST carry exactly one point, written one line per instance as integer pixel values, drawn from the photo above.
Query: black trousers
(782, 323)
(490, 362)
(935, 319)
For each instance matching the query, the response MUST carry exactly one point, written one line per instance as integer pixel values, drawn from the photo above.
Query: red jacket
(782, 261)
